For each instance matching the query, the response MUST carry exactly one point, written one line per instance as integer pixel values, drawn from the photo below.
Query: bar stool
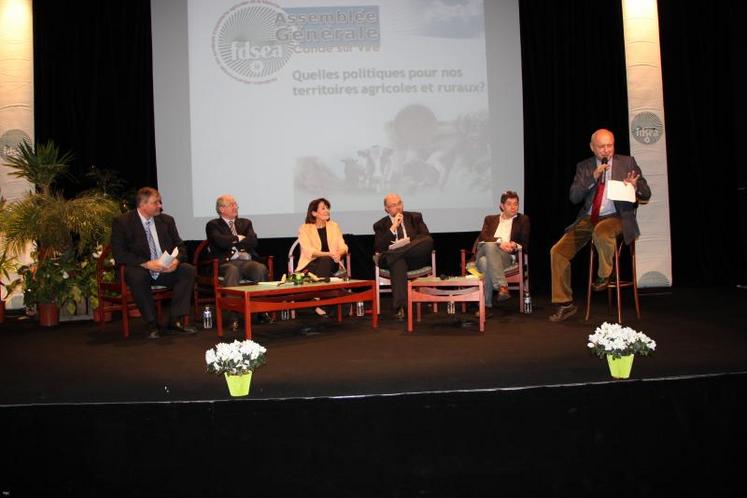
(617, 284)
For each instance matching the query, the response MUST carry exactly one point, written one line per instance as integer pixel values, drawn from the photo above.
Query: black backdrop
(93, 96)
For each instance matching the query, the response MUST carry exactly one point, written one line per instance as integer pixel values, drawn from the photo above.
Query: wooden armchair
(114, 295)
(208, 277)
(384, 283)
(517, 275)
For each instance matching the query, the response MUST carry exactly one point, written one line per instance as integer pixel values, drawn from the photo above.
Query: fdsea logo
(647, 128)
(246, 43)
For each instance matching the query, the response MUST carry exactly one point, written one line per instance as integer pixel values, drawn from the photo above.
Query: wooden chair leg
(617, 283)
(635, 280)
(591, 272)
(125, 318)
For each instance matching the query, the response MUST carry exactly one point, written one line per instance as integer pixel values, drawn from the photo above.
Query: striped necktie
(151, 246)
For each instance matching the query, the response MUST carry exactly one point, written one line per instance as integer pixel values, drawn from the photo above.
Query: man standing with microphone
(600, 219)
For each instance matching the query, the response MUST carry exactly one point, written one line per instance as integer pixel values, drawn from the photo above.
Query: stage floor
(698, 332)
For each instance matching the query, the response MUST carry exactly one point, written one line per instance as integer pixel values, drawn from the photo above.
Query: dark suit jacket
(222, 241)
(413, 223)
(519, 230)
(584, 187)
(129, 245)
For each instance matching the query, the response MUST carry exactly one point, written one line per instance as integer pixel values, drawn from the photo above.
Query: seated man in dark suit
(498, 240)
(232, 240)
(139, 237)
(397, 225)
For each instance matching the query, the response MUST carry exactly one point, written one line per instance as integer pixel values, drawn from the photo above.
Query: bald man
(600, 219)
(399, 224)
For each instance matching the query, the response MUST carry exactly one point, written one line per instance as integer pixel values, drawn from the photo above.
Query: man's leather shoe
(600, 284)
(564, 312)
(179, 328)
(154, 332)
(400, 314)
(503, 294)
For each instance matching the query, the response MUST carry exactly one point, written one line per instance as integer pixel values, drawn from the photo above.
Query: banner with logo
(648, 139)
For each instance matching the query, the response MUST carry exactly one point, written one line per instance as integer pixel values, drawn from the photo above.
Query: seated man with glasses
(404, 243)
(233, 241)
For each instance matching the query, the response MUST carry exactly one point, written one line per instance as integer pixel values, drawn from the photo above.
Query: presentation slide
(281, 103)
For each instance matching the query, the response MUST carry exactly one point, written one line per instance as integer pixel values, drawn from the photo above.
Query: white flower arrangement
(615, 340)
(236, 358)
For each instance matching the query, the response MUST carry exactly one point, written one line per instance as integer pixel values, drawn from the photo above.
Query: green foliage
(65, 232)
(40, 164)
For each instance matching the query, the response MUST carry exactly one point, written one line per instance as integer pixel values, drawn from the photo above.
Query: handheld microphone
(603, 176)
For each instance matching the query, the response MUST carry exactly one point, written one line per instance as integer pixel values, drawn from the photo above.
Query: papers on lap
(166, 258)
(399, 243)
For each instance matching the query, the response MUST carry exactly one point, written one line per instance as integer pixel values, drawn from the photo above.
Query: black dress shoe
(600, 284)
(153, 331)
(181, 329)
(400, 314)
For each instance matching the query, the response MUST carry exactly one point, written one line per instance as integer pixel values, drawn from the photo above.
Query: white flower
(235, 358)
(614, 339)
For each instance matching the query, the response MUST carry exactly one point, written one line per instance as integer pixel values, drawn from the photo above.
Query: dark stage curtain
(574, 83)
(705, 107)
(93, 91)
(93, 85)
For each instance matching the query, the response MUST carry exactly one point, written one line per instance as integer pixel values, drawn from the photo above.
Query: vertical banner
(16, 95)
(647, 139)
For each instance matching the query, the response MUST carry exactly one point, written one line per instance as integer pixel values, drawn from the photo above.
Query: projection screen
(281, 103)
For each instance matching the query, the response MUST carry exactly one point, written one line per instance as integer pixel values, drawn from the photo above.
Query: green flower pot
(238, 385)
(620, 367)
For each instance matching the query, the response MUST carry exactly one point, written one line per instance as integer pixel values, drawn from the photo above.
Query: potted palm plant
(62, 231)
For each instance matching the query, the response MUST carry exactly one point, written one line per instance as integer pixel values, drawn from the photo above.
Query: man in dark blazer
(500, 237)
(600, 219)
(139, 252)
(232, 240)
(400, 224)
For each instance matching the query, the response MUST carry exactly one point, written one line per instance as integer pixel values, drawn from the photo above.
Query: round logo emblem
(10, 140)
(252, 41)
(647, 128)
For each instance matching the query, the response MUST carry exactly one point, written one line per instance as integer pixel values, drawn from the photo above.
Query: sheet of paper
(399, 243)
(620, 191)
(167, 258)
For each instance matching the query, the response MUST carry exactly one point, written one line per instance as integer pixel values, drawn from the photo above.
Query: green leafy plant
(63, 232)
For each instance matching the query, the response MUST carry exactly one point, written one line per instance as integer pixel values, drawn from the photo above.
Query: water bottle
(451, 308)
(527, 302)
(360, 309)
(207, 318)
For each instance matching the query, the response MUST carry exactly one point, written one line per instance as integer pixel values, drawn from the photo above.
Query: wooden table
(436, 290)
(268, 297)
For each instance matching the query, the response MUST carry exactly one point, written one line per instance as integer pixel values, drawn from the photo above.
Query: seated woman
(322, 245)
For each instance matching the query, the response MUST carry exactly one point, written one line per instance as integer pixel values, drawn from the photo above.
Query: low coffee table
(266, 297)
(436, 290)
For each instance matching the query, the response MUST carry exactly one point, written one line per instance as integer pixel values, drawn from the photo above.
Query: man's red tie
(597, 203)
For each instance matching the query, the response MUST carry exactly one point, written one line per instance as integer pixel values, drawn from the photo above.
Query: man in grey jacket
(600, 219)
